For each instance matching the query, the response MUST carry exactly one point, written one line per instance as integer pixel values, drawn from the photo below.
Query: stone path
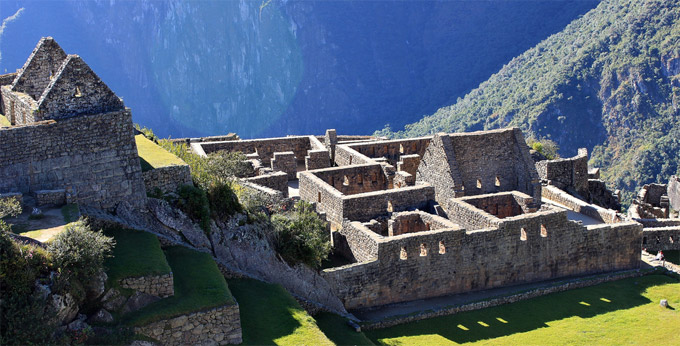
(649, 260)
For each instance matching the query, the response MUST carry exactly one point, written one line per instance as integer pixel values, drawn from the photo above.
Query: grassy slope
(136, 253)
(199, 285)
(4, 121)
(601, 83)
(270, 315)
(621, 312)
(153, 156)
(336, 328)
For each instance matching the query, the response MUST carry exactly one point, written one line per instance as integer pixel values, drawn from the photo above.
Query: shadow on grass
(338, 330)
(531, 314)
(266, 311)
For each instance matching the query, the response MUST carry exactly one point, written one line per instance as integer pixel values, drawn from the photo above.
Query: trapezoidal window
(350, 160)
(78, 92)
(423, 250)
(644, 240)
(390, 207)
(401, 148)
(544, 231)
(319, 198)
(479, 183)
(671, 239)
(345, 181)
(498, 182)
(402, 254)
(442, 248)
(522, 234)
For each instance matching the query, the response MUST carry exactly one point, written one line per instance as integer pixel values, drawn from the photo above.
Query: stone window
(319, 198)
(390, 207)
(423, 250)
(671, 239)
(498, 182)
(479, 183)
(345, 181)
(350, 160)
(544, 231)
(403, 255)
(523, 234)
(644, 240)
(442, 248)
(401, 148)
(78, 93)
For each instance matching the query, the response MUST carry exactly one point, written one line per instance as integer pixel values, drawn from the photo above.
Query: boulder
(113, 300)
(101, 316)
(95, 287)
(66, 308)
(177, 220)
(137, 301)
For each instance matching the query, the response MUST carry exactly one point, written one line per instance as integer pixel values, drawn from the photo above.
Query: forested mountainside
(274, 67)
(610, 81)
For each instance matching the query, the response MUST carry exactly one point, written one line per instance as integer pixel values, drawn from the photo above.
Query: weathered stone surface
(156, 285)
(65, 306)
(137, 301)
(101, 316)
(177, 220)
(167, 179)
(113, 300)
(673, 192)
(96, 286)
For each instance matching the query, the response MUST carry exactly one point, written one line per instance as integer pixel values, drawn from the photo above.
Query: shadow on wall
(531, 314)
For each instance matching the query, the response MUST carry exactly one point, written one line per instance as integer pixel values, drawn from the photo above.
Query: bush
(224, 166)
(9, 207)
(301, 236)
(78, 252)
(223, 201)
(545, 146)
(194, 202)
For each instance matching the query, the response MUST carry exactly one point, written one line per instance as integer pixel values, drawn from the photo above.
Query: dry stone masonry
(156, 285)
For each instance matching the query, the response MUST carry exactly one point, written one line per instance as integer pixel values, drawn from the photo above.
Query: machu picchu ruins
(408, 219)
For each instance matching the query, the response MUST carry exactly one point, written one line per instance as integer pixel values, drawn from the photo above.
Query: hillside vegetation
(609, 82)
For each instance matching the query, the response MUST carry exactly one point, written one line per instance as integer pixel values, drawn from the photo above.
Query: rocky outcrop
(65, 306)
(177, 220)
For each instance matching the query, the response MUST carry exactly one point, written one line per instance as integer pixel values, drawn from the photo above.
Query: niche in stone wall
(479, 183)
(345, 181)
(401, 148)
(78, 92)
(319, 198)
(442, 248)
(498, 182)
(402, 254)
(522, 234)
(644, 240)
(671, 239)
(390, 207)
(423, 250)
(544, 231)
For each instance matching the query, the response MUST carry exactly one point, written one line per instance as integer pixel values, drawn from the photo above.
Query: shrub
(78, 252)
(301, 236)
(9, 207)
(224, 166)
(194, 202)
(223, 201)
(545, 146)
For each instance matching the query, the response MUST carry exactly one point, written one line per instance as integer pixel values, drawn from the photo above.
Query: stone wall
(50, 197)
(167, 179)
(5, 79)
(673, 192)
(568, 173)
(416, 221)
(221, 325)
(20, 108)
(277, 181)
(285, 162)
(661, 238)
(392, 150)
(156, 285)
(360, 243)
(40, 68)
(346, 156)
(366, 206)
(605, 215)
(317, 159)
(265, 148)
(93, 157)
(440, 262)
(355, 179)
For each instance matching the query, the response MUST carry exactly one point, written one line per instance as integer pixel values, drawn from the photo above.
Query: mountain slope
(272, 68)
(610, 81)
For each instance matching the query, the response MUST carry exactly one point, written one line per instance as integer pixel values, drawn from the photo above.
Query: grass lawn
(4, 121)
(336, 328)
(271, 316)
(136, 253)
(153, 156)
(199, 285)
(620, 312)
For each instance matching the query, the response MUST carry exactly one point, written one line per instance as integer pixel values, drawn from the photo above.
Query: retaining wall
(167, 179)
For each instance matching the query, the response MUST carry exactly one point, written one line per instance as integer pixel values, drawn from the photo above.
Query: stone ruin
(71, 138)
(445, 214)
(656, 208)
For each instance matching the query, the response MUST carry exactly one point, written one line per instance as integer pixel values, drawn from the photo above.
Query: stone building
(71, 138)
(656, 208)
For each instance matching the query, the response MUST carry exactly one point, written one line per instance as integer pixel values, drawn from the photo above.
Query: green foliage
(226, 166)
(301, 236)
(194, 202)
(147, 132)
(25, 314)
(9, 207)
(223, 201)
(271, 316)
(606, 82)
(546, 147)
(199, 285)
(78, 252)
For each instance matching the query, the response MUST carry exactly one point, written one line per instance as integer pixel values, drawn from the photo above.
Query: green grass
(199, 285)
(621, 312)
(4, 121)
(153, 156)
(336, 328)
(136, 253)
(271, 316)
(70, 212)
